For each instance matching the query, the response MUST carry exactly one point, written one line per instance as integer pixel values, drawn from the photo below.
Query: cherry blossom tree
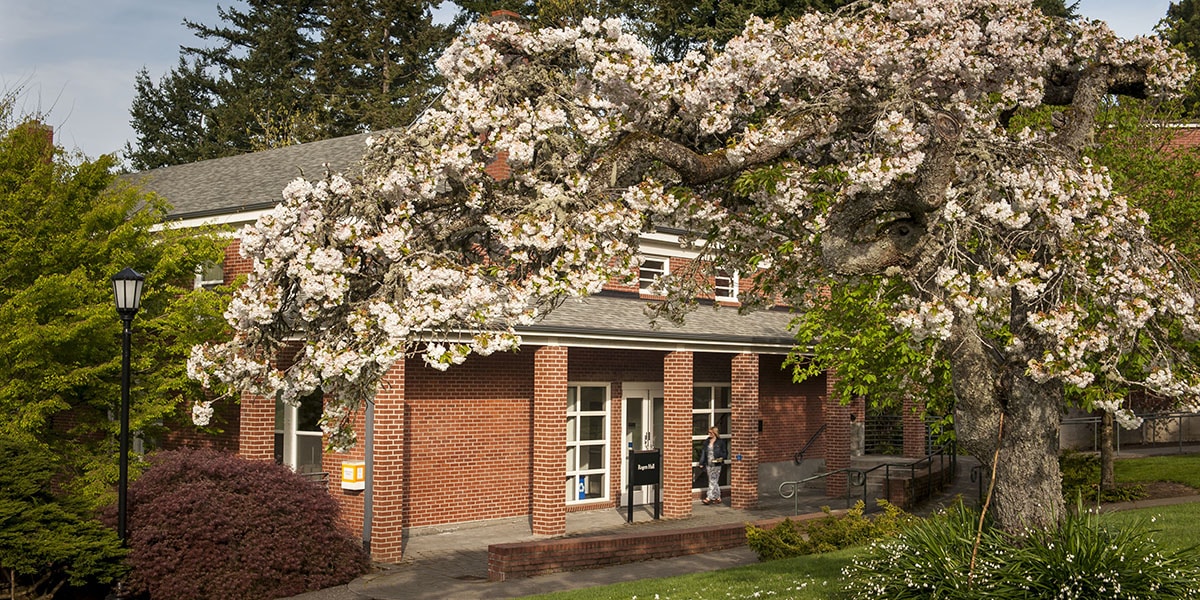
(874, 142)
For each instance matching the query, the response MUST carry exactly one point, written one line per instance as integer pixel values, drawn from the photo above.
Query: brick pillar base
(743, 451)
(549, 440)
(677, 435)
(912, 418)
(389, 491)
(256, 434)
(837, 438)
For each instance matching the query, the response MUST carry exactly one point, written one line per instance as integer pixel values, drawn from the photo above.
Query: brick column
(387, 526)
(743, 447)
(256, 431)
(912, 415)
(677, 435)
(549, 440)
(837, 438)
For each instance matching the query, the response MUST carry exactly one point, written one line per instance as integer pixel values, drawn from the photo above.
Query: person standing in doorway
(713, 455)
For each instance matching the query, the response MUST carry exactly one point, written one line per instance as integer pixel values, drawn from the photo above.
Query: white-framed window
(587, 442)
(298, 441)
(652, 268)
(210, 275)
(725, 285)
(710, 408)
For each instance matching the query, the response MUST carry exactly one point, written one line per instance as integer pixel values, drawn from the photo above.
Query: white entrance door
(643, 431)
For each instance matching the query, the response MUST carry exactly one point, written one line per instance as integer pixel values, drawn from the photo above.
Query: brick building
(543, 431)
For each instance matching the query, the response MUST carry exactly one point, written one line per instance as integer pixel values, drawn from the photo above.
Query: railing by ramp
(944, 458)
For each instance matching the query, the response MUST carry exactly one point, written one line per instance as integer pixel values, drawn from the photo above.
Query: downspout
(369, 476)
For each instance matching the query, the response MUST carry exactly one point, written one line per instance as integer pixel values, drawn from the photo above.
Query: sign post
(645, 468)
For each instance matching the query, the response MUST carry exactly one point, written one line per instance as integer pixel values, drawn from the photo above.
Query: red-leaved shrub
(208, 525)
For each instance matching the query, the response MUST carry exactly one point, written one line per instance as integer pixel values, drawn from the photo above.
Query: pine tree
(1181, 27)
(282, 72)
(374, 64)
(171, 118)
(264, 58)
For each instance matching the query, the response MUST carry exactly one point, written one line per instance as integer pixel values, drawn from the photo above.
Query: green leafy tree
(65, 228)
(46, 540)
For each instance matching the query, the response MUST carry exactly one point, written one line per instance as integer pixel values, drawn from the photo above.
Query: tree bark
(1107, 456)
(1028, 487)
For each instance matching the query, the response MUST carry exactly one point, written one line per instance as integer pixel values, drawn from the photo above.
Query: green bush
(1081, 480)
(204, 524)
(48, 540)
(1080, 559)
(826, 534)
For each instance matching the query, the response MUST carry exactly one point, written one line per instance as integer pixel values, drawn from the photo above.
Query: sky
(76, 60)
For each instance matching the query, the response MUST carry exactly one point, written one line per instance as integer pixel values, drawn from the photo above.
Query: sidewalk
(451, 561)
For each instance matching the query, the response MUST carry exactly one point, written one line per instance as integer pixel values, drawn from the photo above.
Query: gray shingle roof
(234, 184)
(615, 320)
(254, 181)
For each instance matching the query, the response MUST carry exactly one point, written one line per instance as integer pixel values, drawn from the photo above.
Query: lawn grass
(1177, 527)
(814, 577)
(818, 577)
(1180, 468)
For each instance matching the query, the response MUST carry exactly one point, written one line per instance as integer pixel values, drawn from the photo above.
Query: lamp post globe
(127, 293)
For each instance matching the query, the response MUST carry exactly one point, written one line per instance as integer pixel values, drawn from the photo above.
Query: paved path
(451, 561)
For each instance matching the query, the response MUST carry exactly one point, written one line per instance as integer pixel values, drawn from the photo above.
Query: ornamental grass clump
(204, 524)
(1080, 559)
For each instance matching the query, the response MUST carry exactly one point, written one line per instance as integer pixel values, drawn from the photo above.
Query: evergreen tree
(48, 541)
(171, 118)
(264, 60)
(374, 65)
(1181, 27)
(282, 72)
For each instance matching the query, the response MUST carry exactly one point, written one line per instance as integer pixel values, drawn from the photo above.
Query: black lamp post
(127, 290)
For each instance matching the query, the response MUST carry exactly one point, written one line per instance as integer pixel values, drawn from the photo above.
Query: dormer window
(653, 268)
(725, 285)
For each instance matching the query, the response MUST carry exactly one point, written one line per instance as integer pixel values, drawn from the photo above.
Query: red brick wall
(257, 431)
(791, 412)
(912, 417)
(181, 433)
(677, 435)
(549, 440)
(235, 265)
(391, 495)
(837, 439)
(469, 439)
(743, 474)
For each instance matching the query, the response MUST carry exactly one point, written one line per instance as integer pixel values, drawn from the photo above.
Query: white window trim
(711, 412)
(733, 278)
(606, 470)
(644, 284)
(201, 282)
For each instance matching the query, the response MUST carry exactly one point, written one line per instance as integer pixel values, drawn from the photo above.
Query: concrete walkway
(451, 561)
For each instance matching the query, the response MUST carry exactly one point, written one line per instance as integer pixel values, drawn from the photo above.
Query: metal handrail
(856, 477)
(793, 487)
(799, 456)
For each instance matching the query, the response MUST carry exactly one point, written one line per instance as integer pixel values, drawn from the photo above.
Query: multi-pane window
(725, 285)
(210, 275)
(298, 434)
(653, 268)
(710, 408)
(587, 443)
